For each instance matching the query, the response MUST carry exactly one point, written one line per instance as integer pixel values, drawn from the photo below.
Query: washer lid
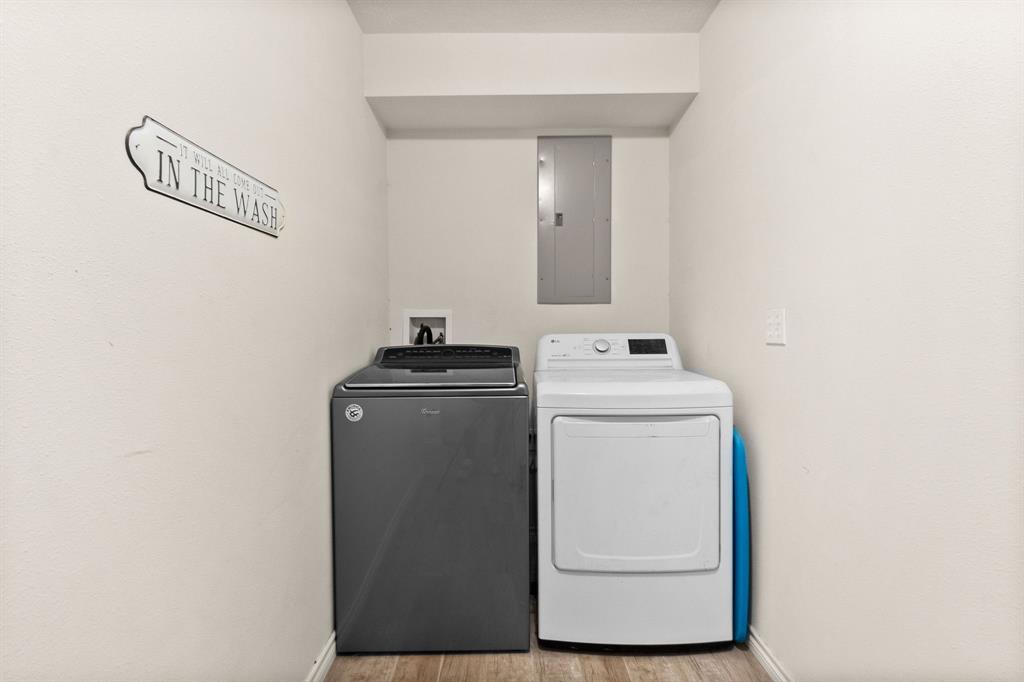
(626, 389)
(440, 366)
(425, 378)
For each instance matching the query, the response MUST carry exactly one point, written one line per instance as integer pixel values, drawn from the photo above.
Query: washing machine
(634, 494)
(430, 471)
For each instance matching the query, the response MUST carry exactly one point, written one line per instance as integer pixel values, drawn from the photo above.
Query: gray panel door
(574, 202)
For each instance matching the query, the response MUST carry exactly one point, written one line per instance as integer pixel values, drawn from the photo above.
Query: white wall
(462, 226)
(424, 64)
(525, 81)
(165, 509)
(860, 164)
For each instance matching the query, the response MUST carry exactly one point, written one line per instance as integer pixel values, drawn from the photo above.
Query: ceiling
(532, 16)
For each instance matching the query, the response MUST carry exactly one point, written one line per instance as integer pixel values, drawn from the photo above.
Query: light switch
(776, 332)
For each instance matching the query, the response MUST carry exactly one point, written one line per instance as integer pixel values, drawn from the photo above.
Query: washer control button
(602, 346)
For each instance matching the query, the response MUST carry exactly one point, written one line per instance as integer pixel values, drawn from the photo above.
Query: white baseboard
(322, 664)
(767, 659)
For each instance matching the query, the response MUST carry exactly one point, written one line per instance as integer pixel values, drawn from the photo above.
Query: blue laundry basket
(740, 540)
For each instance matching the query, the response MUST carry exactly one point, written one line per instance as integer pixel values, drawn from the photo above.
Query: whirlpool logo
(429, 411)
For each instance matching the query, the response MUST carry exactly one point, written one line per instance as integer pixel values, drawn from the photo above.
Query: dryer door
(635, 494)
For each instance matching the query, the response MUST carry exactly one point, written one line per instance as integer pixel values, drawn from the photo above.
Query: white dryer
(634, 493)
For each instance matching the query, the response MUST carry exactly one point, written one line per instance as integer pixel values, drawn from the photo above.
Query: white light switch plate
(776, 332)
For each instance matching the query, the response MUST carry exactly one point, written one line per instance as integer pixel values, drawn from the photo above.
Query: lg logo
(354, 412)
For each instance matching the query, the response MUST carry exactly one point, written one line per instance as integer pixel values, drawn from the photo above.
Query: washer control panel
(609, 350)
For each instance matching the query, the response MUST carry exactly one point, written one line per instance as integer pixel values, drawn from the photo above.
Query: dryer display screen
(647, 347)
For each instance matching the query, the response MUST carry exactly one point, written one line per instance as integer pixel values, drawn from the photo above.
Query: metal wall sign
(178, 168)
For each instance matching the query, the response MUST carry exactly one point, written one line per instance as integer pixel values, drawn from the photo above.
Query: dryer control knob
(602, 346)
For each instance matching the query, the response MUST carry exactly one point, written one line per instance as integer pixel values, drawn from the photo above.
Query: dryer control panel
(608, 350)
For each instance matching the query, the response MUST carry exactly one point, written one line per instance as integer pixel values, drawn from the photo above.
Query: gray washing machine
(431, 518)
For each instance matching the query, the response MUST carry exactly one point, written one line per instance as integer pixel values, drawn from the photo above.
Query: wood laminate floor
(731, 665)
